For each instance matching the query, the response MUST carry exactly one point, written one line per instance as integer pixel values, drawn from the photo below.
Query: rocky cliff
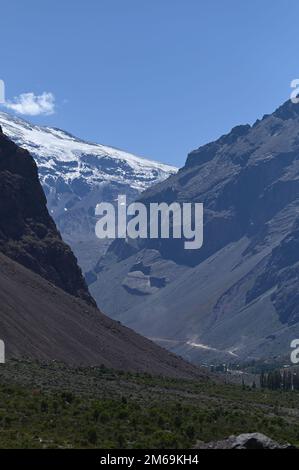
(28, 234)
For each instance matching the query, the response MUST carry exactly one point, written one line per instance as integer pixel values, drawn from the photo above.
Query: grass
(54, 406)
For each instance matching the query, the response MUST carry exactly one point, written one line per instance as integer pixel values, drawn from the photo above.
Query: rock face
(28, 234)
(237, 297)
(245, 441)
(281, 270)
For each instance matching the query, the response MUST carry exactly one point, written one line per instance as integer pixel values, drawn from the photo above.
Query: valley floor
(51, 405)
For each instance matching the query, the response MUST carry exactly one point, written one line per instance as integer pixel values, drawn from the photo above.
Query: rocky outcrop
(28, 234)
(244, 441)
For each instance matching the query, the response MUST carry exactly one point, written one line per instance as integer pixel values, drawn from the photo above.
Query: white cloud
(32, 105)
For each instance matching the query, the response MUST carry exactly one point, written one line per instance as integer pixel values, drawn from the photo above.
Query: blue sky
(155, 77)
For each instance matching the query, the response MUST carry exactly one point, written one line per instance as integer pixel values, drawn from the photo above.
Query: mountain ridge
(238, 292)
(44, 143)
(77, 175)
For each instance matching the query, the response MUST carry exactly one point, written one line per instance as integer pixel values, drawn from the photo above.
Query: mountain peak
(70, 157)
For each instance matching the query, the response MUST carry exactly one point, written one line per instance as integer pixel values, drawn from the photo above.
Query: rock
(254, 440)
(28, 234)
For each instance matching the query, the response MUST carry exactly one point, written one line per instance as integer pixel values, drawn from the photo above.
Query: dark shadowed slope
(39, 320)
(27, 232)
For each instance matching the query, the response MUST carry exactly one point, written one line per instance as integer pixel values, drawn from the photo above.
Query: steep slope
(236, 297)
(40, 321)
(27, 232)
(76, 175)
(46, 311)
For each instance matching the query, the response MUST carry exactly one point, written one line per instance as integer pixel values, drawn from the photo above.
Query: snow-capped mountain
(76, 175)
(60, 154)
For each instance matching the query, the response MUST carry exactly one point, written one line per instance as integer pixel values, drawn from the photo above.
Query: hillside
(40, 321)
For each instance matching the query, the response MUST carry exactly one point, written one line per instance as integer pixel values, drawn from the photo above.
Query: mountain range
(76, 175)
(237, 297)
(46, 310)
